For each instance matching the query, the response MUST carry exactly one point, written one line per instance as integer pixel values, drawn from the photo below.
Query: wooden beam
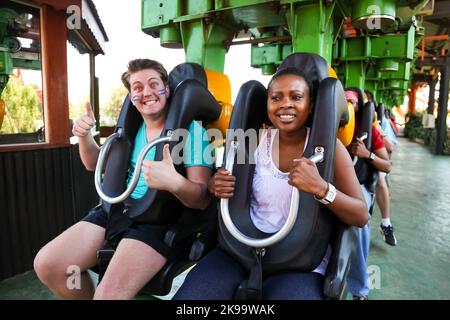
(54, 74)
(412, 98)
(59, 4)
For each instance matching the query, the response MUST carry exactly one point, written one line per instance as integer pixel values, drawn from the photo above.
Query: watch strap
(329, 196)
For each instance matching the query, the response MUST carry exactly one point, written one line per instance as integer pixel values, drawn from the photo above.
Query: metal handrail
(137, 170)
(293, 211)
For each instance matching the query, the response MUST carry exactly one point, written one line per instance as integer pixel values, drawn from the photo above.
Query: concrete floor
(417, 268)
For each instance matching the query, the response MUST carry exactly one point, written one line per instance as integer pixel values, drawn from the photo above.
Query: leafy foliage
(413, 127)
(23, 108)
(110, 112)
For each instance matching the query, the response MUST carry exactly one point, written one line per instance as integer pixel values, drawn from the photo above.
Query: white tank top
(270, 200)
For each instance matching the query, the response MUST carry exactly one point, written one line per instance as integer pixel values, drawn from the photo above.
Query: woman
(141, 251)
(278, 167)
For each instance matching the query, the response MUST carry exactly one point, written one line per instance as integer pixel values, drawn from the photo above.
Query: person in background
(382, 195)
(377, 156)
(391, 117)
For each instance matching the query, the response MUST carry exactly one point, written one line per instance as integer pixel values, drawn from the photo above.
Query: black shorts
(152, 235)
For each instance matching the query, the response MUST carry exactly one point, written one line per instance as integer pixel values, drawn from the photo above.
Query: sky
(122, 23)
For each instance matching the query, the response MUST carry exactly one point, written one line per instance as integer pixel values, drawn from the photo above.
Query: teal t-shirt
(196, 153)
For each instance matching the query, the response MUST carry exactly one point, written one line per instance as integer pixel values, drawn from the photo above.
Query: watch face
(332, 195)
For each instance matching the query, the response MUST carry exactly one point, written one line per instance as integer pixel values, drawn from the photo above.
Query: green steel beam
(311, 27)
(204, 43)
(27, 64)
(355, 75)
(379, 61)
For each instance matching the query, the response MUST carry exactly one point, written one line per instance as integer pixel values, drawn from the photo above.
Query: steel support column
(431, 99)
(430, 109)
(441, 123)
(312, 28)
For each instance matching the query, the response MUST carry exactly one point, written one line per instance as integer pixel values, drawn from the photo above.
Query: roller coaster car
(364, 118)
(192, 233)
(315, 228)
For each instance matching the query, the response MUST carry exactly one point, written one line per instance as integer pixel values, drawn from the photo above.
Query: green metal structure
(378, 57)
(14, 25)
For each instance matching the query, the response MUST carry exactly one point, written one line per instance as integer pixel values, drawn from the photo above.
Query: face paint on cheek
(162, 92)
(136, 98)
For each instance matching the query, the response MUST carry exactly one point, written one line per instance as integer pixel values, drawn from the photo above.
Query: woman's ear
(167, 92)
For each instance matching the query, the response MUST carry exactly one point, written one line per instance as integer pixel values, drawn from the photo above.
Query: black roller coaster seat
(364, 117)
(315, 228)
(381, 113)
(192, 232)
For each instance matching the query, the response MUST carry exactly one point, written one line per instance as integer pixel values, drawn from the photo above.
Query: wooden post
(54, 74)
(412, 99)
(94, 94)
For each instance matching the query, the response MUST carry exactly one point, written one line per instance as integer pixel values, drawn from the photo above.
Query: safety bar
(362, 138)
(290, 221)
(137, 170)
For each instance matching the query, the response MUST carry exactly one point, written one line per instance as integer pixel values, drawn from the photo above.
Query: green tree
(110, 111)
(23, 109)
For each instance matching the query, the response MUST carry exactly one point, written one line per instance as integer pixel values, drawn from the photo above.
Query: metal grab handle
(362, 138)
(293, 211)
(137, 170)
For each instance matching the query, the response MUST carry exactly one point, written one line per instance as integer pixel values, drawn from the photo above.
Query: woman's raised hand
(222, 184)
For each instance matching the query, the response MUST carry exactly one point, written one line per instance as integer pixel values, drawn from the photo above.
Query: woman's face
(289, 103)
(148, 93)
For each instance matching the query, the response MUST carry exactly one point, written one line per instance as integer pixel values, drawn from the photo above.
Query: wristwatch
(329, 196)
(371, 156)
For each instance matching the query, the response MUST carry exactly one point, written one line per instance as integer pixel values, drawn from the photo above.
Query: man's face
(148, 93)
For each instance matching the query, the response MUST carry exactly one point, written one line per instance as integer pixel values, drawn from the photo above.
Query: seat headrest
(184, 71)
(380, 109)
(369, 95)
(313, 66)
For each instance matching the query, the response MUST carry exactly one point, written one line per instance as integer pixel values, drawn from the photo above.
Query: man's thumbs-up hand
(83, 125)
(162, 175)
(166, 155)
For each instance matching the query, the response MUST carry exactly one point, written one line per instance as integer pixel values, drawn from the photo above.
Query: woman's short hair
(295, 72)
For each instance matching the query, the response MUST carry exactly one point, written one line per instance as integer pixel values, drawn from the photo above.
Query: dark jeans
(217, 276)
